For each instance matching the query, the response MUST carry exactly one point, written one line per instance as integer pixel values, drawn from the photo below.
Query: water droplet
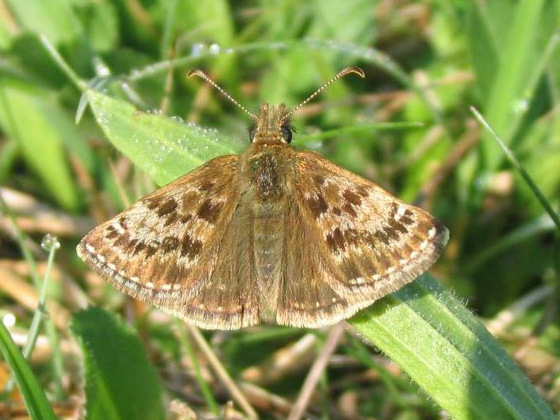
(50, 242)
(197, 49)
(214, 48)
(520, 106)
(100, 68)
(9, 320)
(480, 182)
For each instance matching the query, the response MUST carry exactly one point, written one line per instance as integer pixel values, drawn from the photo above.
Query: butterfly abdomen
(268, 243)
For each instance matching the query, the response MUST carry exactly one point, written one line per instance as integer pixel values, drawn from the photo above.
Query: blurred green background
(407, 126)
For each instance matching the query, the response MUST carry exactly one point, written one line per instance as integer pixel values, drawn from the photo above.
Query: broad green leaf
(35, 400)
(29, 116)
(450, 354)
(121, 382)
(163, 147)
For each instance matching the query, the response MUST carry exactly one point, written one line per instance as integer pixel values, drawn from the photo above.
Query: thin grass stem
(517, 165)
(41, 308)
(222, 373)
(79, 83)
(22, 239)
(204, 387)
(52, 245)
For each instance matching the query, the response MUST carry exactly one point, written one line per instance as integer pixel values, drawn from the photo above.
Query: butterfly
(272, 235)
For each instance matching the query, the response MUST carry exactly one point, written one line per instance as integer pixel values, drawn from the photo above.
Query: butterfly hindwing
(305, 297)
(227, 298)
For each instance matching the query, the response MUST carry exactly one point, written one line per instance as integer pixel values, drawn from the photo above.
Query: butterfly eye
(252, 131)
(287, 133)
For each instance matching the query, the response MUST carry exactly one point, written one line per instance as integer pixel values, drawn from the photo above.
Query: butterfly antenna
(339, 75)
(204, 76)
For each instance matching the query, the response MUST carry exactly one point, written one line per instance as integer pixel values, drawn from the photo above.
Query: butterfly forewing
(164, 249)
(366, 244)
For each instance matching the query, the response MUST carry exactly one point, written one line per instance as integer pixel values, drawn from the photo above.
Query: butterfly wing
(175, 248)
(366, 244)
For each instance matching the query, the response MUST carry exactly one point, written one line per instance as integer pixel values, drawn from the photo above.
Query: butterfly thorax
(266, 164)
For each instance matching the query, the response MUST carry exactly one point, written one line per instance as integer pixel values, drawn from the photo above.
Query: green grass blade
(8, 155)
(511, 156)
(33, 395)
(205, 388)
(121, 383)
(28, 116)
(169, 27)
(354, 129)
(483, 45)
(519, 235)
(513, 74)
(62, 64)
(450, 354)
(163, 147)
(55, 18)
(51, 244)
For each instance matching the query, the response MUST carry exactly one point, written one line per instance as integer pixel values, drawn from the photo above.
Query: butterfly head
(271, 125)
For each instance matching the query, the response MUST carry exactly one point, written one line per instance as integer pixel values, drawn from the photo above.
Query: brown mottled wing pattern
(164, 249)
(358, 243)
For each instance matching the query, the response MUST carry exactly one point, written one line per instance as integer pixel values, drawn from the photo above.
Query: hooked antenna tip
(340, 74)
(356, 70)
(195, 72)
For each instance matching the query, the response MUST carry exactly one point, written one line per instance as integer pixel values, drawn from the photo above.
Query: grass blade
(62, 64)
(517, 165)
(351, 129)
(35, 400)
(512, 76)
(203, 385)
(50, 243)
(28, 116)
